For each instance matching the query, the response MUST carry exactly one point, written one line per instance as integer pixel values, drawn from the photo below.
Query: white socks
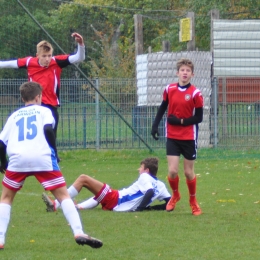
(88, 204)
(5, 211)
(72, 216)
(72, 192)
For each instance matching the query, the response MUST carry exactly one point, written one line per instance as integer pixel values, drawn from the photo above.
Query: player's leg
(54, 182)
(7, 197)
(55, 114)
(87, 204)
(83, 180)
(72, 216)
(190, 154)
(92, 185)
(5, 212)
(173, 158)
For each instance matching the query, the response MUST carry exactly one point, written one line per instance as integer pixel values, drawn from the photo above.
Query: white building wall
(236, 48)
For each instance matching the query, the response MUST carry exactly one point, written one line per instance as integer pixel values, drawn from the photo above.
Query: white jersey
(24, 137)
(131, 197)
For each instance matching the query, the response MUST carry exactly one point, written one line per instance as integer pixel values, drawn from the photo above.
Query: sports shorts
(50, 180)
(107, 197)
(187, 148)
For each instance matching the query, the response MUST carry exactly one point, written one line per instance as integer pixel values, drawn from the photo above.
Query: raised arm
(79, 56)
(78, 38)
(9, 64)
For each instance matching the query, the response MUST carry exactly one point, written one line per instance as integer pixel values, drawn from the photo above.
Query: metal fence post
(97, 115)
(84, 127)
(215, 111)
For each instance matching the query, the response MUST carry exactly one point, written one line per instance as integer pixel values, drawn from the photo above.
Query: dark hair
(29, 90)
(185, 62)
(151, 164)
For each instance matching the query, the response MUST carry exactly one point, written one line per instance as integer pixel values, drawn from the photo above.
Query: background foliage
(108, 28)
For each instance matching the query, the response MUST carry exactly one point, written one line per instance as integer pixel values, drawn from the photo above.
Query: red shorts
(107, 197)
(50, 180)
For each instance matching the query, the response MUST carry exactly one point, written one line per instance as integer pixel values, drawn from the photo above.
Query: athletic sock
(72, 216)
(5, 211)
(88, 204)
(174, 184)
(72, 192)
(192, 189)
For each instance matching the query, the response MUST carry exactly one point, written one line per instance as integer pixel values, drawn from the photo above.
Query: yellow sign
(185, 30)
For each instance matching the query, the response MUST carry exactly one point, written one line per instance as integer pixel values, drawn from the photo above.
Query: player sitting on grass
(136, 197)
(29, 141)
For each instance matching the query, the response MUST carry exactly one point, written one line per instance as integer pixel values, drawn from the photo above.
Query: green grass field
(228, 192)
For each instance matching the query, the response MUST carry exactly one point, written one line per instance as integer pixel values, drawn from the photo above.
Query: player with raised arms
(46, 70)
(29, 141)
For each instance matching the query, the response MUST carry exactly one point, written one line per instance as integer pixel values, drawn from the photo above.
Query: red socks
(174, 184)
(192, 188)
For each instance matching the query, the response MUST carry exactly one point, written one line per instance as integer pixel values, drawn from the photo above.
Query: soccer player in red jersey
(46, 70)
(185, 111)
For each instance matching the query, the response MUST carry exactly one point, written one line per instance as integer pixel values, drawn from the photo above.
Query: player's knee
(173, 173)
(83, 178)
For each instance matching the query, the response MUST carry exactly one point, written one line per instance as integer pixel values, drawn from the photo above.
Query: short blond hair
(185, 62)
(44, 46)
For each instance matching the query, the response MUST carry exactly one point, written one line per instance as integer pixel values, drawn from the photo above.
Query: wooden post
(214, 14)
(166, 46)
(191, 44)
(138, 21)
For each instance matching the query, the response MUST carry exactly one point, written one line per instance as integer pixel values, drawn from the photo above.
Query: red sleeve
(22, 62)
(165, 95)
(198, 100)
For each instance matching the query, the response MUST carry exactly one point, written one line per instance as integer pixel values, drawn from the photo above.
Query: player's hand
(78, 38)
(155, 132)
(173, 120)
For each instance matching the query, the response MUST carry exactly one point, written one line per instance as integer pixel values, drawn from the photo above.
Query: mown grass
(228, 192)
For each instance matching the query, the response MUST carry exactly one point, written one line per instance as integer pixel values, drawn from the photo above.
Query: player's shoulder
(171, 86)
(145, 175)
(195, 90)
(161, 182)
(43, 109)
(24, 62)
(61, 57)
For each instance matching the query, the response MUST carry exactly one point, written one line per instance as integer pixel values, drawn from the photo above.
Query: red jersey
(48, 77)
(182, 104)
